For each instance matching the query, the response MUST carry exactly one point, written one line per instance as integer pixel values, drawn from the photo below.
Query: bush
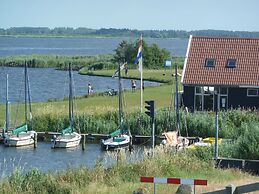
(248, 143)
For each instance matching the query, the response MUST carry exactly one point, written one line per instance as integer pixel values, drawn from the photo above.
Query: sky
(236, 15)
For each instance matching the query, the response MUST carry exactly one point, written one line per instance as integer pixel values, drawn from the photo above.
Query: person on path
(90, 89)
(133, 85)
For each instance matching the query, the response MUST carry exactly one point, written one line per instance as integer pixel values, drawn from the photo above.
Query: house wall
(237, 97)
(188, 97)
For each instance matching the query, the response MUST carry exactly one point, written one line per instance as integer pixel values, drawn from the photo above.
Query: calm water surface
(47, 83)
(79, 46)
(48, 160)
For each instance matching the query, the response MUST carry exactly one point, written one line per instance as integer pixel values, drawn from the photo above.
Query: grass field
(153, 75)
(98, 104)
(124, 178)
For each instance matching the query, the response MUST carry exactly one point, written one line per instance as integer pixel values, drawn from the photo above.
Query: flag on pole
(139, 55)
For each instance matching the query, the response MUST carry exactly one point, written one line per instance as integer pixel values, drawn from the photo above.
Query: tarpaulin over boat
(115, 133)
(20, 129)
(67, 130)
(171, 137)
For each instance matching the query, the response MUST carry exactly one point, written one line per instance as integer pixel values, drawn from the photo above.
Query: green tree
(124, 52)
(153, 56)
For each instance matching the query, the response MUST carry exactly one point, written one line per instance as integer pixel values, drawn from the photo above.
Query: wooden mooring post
(35, 140)
(83, 142)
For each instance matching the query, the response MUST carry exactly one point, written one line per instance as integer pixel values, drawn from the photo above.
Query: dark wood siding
(188, 97)
(237, 97)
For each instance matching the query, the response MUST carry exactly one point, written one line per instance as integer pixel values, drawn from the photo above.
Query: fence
(182, 181)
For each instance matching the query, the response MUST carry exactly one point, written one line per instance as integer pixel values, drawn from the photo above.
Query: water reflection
(50, 160)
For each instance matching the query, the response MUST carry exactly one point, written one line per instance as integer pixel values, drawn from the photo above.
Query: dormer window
(231, 63)
(210, 62)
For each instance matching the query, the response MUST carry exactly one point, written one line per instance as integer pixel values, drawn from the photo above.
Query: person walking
(90, 89)
(133, 85)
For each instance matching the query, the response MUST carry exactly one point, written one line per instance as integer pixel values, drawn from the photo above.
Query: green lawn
(95, 104)
(154, 75)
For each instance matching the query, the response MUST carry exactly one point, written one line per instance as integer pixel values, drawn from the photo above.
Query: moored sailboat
(20, 136)
(68, 137)
(120, 138)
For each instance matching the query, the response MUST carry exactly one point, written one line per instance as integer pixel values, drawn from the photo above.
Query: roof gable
(244, 50)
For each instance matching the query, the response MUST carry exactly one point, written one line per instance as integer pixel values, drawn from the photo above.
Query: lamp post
(217, 125)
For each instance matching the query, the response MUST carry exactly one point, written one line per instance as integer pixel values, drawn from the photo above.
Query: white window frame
(248, 95)
(210, 89)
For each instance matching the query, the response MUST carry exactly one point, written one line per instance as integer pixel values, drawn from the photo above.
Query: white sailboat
(121, 138)
(68, 138)
(20, 136)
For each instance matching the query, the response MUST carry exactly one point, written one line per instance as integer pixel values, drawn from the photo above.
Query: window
(198, 90)
(210, 63)
(224, 91)
(231, 63)
(252, 92)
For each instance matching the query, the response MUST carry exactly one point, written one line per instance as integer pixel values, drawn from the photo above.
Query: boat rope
(30, 100)
(169, 126)
(145, 142)
(18, 105)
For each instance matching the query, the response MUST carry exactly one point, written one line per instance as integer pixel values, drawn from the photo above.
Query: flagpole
(141, 85)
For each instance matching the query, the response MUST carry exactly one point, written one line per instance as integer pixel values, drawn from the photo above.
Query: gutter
(186, 58)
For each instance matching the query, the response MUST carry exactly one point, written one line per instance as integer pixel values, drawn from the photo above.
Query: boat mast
(177, 100)
(120, 99)
(7, 109)
(71, 108)
(29, 98)
(25, 91)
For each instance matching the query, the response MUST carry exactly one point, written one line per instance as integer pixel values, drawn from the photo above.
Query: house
(221, 72)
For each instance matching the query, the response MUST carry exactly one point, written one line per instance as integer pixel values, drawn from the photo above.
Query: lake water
(79, 46)
(47, 83)
(48, 160)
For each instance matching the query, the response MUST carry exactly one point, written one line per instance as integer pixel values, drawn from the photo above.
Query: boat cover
(171, 137)
(115, 133)
(20, 129)
(66, 130)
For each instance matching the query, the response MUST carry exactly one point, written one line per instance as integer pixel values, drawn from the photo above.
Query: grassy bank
(152, 75)
(124, 178)
(96, 104)
(59, 61)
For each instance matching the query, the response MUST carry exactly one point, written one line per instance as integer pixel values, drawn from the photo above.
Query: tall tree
(124, 52)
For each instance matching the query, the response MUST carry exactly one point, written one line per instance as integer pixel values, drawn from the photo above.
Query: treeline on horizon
(113, 32)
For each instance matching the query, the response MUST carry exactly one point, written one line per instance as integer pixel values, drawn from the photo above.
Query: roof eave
(186, 57)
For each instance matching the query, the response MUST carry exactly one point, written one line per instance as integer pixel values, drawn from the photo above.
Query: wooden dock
(94, 137)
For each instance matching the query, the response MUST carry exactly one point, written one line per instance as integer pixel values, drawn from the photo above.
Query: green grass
(124, 178)
(96, 104)
(153, 75)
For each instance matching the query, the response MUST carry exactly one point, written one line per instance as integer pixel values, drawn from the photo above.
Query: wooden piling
(130, 144)
(35, 140)
(83, 143)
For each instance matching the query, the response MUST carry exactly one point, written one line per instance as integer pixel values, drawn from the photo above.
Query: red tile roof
(244, 50)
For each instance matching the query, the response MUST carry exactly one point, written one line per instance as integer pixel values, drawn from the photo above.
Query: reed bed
(123, 177)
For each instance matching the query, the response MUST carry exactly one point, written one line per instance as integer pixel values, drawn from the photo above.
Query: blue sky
(132, 14)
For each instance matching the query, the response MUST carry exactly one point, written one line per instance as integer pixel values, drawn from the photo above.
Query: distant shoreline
(79, 36)
(83, 32)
